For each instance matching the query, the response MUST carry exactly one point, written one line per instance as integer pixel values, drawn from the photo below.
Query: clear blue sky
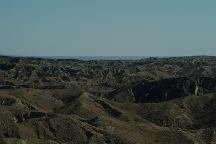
(108, 27)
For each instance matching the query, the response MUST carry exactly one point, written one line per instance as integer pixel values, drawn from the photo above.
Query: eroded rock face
(166, 89)
(156, 100)
(7, 101)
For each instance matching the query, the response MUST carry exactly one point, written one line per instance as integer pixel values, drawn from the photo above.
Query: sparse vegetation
(152, 101)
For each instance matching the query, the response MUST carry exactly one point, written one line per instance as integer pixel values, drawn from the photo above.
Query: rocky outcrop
(155, 100)
(7, 101)
(166, 89)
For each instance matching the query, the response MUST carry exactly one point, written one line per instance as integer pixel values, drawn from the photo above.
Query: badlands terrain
(150, 101)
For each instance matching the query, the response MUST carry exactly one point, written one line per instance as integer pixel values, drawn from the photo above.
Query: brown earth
(150, 101)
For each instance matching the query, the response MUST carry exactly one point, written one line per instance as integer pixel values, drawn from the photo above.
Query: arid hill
(150, 101)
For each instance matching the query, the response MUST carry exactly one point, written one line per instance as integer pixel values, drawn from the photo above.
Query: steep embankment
(157, 100)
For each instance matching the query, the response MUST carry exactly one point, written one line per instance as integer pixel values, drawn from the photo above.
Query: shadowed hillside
(149, 101)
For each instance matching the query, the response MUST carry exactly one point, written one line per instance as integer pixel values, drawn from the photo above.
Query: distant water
(87, 58)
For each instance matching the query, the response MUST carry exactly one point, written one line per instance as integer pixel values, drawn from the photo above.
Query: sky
(107, 27)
